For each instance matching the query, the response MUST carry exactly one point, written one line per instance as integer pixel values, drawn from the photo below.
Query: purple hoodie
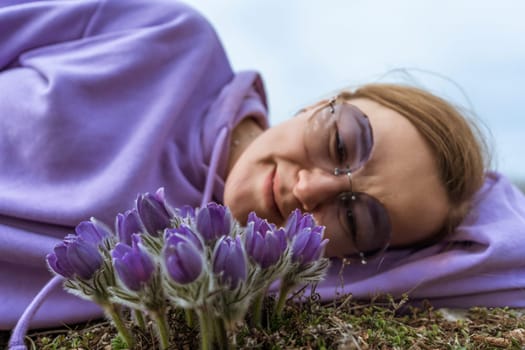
(102, 100)
(87, 124)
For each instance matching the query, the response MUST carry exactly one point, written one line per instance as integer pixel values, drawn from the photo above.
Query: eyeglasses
(338, 138)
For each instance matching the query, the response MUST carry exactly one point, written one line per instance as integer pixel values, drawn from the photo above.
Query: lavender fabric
(100, 101)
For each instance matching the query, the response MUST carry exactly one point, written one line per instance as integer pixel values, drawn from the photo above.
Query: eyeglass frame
(352, 195)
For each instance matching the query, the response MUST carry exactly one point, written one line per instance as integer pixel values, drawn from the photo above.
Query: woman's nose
(315, 187)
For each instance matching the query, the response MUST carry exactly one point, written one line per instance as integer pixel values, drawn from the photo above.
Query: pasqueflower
(229, 261)
(308, 245)
(75, 257)
(183, 232)
(298, 221)
(183, 259)
(127, 224)
(154, 212)
(264, 242)
(92, 231)
(213, 221)
(133, 264)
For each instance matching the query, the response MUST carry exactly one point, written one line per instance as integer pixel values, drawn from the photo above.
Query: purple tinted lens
(356, 133)
(366, 222)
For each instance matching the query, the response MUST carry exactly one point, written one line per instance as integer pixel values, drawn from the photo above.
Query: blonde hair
(458, 146)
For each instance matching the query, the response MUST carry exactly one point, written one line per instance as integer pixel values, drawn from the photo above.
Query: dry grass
(344, 324)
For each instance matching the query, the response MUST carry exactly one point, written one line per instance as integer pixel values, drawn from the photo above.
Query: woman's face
(276, 174)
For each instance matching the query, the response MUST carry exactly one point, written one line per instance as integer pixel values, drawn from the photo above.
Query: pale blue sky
(307, 49)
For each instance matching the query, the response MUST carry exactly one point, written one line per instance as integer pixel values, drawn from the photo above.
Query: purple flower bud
(58, 262)
(264, 242)
(133, 265)
(153, 212)
(75, 257)
(83, 258)
(308, 245)
(213, 221)
(183, 260)
(175, 235)
(78, 254)
(229, 261)
(298, 221)
(186, 211)
(93, 231)
(126, 225)
(260, 225)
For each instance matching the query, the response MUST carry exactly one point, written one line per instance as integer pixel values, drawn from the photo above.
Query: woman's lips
(269, 194)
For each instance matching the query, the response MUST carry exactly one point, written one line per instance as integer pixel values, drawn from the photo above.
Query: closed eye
(346, 216)
(340, 148)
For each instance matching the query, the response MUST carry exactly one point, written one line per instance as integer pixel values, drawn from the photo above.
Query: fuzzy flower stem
(188, 314)
(257, 309)
(283, 294)
(139, 319)
(220, 331)
(162, 328)
(206, 331)
(112, 313)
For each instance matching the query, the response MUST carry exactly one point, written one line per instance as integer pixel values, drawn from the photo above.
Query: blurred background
(471, 52)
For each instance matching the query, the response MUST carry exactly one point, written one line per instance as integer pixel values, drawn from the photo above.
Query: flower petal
(153, 213)
(58, 262)
(92, 231)
(127, 224)
(84, 258)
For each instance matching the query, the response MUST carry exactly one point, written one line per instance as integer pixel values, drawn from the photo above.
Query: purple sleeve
(96, 111)
(30, 25)
(97, 100)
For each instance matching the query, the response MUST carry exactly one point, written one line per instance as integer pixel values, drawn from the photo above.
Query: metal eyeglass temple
(345, 171)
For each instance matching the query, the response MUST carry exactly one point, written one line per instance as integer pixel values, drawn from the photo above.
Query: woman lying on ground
(102, 100)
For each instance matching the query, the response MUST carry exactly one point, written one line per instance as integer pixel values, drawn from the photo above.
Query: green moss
(345, 323)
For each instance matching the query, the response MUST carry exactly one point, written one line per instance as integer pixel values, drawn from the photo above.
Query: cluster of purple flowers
(200, 259)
